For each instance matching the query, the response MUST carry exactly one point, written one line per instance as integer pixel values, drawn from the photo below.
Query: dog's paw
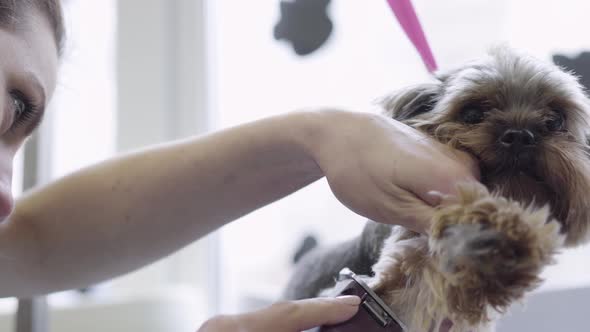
(491, 250)
(475, 247)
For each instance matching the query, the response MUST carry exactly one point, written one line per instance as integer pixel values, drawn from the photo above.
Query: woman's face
(28, 69)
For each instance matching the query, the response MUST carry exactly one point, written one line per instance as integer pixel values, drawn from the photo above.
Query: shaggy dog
(526, 122)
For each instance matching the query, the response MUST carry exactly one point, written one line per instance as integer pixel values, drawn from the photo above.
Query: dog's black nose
(518, 138)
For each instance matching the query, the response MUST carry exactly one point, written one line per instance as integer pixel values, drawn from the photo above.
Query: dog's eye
(472, 115)
(556, 122)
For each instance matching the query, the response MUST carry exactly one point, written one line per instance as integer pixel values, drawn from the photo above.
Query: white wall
(552, 311)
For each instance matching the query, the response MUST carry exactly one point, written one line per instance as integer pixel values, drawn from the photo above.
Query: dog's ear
(410, 102)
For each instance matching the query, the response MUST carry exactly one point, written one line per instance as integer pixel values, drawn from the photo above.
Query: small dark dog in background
(527, 123)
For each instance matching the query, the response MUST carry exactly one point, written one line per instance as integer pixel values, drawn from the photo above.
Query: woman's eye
(472, 115)
(22, 109)
(556, 122)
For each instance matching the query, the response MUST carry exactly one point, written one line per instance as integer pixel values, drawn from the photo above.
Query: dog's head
(524, 120)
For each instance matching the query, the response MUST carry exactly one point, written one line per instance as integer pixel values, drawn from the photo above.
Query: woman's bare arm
(122, 214)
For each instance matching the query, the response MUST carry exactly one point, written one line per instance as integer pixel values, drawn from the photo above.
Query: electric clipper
(373, 315)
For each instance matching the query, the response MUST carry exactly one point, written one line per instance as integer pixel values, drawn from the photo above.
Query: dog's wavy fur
(487, 246)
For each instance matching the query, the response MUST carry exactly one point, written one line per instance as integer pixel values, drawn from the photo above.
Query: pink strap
(404, 11)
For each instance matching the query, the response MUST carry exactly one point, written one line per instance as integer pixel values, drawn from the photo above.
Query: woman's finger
(322, 311)
(302, 315)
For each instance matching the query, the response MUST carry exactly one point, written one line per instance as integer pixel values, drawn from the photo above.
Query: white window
(88, 122)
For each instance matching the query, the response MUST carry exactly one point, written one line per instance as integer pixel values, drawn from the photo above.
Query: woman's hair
(13, 11)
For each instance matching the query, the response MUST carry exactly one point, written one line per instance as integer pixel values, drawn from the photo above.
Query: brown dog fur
(487, 247)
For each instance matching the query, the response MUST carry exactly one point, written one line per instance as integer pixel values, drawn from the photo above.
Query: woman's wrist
(316, 128)
(307, 129)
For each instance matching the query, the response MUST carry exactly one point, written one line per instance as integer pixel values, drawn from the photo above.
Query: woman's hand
(383, 169)
(293, 316)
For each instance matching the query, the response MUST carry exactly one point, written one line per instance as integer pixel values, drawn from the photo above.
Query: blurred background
(138, 72)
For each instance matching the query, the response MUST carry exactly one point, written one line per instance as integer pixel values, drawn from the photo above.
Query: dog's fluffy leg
(483, 253)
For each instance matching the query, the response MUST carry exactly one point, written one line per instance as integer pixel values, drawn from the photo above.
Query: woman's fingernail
(435, 193)
(349, 299)
(434, 197)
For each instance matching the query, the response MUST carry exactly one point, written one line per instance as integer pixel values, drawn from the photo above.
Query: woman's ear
(410, 102)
